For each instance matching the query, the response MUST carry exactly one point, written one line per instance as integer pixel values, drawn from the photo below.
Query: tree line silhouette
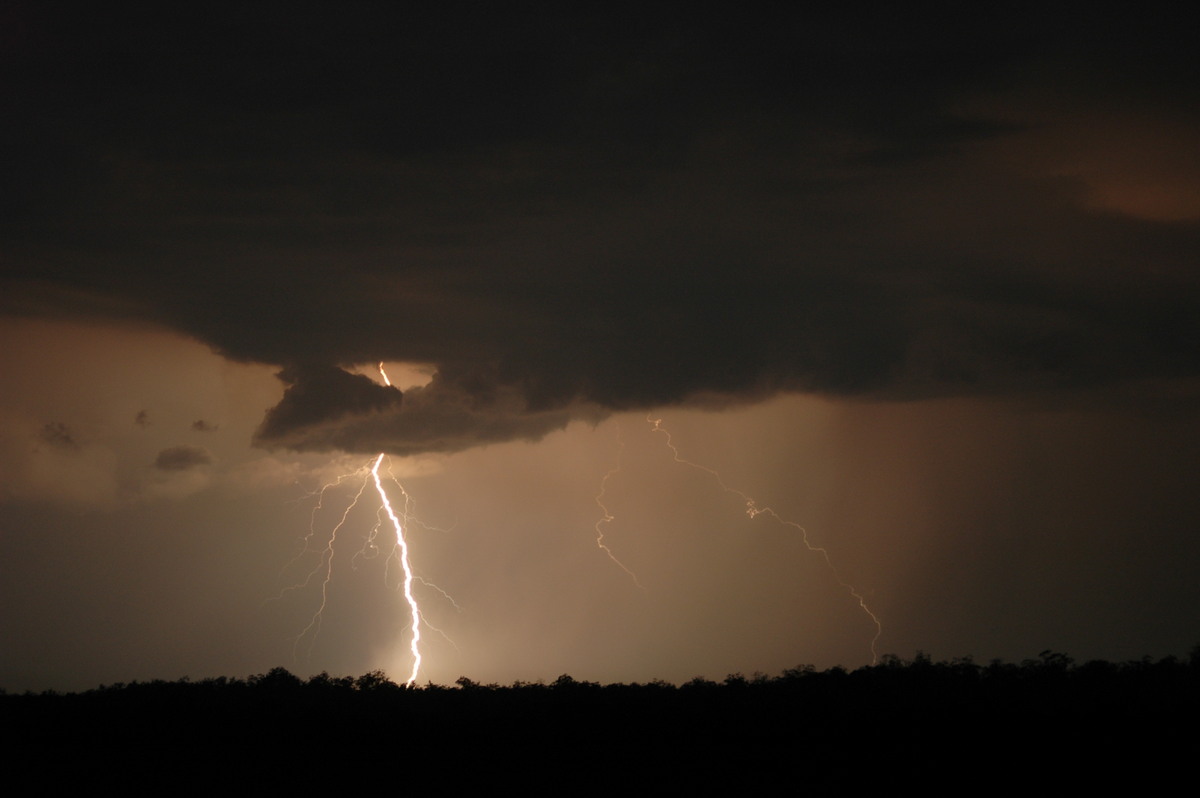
(935, 723)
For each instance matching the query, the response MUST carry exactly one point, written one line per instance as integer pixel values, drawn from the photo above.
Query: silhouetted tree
(276, 679)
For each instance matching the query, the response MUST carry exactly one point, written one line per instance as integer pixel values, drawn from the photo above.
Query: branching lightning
(314, 625)
(369, 474)
(373, 473)
(754, 511)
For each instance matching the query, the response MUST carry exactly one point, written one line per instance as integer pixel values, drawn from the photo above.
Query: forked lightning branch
(400, 549)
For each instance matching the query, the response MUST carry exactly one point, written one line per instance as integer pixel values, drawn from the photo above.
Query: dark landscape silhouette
(1048, 721)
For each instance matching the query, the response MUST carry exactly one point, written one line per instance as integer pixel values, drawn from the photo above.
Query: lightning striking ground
(402, 547)
(753, 511)
(402, 543)
(370, 475)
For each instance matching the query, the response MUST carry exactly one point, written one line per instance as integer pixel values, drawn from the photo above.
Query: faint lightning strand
(753, 511)
(409, 514)
(312, 527)
(608, 517)
(314, 625)
(445, 595)
(370, 549)
(445, 636)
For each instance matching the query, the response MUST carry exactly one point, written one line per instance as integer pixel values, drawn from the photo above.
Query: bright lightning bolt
(402, 543)
(415, 611)
(753, 511)
(400, 549)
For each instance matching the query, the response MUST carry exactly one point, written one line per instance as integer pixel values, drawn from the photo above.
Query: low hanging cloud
(182, 458)
(431, 418)
(320, 401)
(58, 435)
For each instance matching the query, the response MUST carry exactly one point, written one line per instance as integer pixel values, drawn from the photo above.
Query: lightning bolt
(402, 544)
(314, 625)
(608, 517)
(370, 475)
(754, 511)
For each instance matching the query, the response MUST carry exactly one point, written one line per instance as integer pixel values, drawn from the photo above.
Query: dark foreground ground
(936, 726)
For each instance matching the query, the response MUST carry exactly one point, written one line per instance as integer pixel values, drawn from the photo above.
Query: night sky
(925, 284)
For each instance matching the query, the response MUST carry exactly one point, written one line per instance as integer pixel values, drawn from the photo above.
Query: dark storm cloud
(182, 458)
(433, 418)
(570, 215)
(57, 434)
(321, 397)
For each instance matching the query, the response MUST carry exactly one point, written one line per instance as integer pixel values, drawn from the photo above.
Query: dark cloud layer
(182, 458)
(57, 434)
(572, 214)
(322, 396)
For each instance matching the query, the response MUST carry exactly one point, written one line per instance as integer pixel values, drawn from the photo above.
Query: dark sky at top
(574, 212)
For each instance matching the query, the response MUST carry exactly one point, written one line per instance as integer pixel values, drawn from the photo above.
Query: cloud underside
(752, 349)
(568, 219)
(182, 458)
(428, 421)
